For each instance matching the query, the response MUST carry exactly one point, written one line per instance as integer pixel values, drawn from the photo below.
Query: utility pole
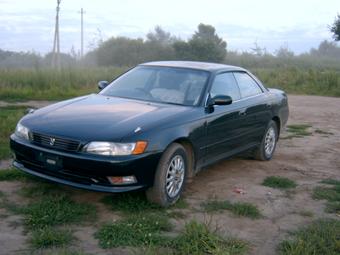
(82, 33)
(56, 42)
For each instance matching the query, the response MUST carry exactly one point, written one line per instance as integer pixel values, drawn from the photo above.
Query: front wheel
(267, 147)
(170, 176)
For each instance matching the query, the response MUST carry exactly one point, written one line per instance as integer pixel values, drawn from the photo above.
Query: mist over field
(204, 44)
(28, 75)
(114, 43)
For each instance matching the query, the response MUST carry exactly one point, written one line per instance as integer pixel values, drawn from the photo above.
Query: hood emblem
(52, 141)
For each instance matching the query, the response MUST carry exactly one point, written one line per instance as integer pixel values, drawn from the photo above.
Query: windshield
(160, 84)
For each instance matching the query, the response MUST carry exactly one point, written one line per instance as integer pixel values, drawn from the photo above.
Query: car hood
(100, 118)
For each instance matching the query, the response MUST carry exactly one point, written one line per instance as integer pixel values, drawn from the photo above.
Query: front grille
(55, 142)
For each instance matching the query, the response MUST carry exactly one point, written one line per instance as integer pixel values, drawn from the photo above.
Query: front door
(224, 123)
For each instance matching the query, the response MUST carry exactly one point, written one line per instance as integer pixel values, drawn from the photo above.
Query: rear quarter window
(248, 87)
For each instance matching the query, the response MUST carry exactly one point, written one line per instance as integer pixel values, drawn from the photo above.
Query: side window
(225, 84)
(248, 87)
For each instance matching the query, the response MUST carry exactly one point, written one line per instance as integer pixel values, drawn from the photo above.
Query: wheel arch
(277, 120)
(189, 147)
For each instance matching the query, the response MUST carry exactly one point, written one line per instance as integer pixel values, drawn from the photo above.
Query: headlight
(115, 149)
(22, 131)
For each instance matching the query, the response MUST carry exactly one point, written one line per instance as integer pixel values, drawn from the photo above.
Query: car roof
(206, 66)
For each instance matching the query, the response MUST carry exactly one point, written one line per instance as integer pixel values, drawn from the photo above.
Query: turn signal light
(140, 147)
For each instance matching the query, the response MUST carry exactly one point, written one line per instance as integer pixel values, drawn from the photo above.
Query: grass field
(330, 193)
(279, 182)
(302, 81)
(9, 117)
(238, 209)
(53, 213)
(47, 84)
(321, 237)
(54, 219)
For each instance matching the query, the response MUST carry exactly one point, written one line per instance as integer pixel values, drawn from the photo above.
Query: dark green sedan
(152, 128)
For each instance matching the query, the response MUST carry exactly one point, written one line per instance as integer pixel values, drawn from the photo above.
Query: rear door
(256, 108)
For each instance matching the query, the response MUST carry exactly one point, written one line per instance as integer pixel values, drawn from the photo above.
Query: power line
(82, 32)
(56, 42)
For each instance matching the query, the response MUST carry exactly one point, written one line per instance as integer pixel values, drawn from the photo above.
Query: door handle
(242, 113)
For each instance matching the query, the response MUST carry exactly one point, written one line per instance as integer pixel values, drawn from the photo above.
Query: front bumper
(82, 170)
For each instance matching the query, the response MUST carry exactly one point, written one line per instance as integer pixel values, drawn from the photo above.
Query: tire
(161, 193)
(266, 149)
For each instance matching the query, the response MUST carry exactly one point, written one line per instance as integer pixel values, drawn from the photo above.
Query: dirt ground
(306, 160)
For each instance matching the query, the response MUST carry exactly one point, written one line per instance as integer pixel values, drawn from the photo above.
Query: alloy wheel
(175, 176)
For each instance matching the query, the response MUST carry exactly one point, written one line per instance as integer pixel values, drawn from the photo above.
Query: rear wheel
(267, 147)
(170, 176)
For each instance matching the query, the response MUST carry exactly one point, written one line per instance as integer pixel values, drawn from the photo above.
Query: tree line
(204, 45)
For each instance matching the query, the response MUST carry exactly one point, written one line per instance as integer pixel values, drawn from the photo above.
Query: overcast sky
(29, 25)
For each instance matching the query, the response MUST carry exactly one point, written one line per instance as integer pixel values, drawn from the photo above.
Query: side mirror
(220, 100)
(30, 110)
(102, 84)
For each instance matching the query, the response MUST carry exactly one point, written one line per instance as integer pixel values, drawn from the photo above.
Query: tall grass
(303, 61)
(301, 81)
(9, 116)
(48, 84)
(320, 237)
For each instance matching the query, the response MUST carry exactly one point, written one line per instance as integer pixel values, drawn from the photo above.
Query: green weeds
(298, 130)
(330, 193)
(56, 210)
(134, 230)
(13, 175)
(278, 182)
(9, 116)
(196, 238)
(50, 237)
(238, 209)
(321, 237)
